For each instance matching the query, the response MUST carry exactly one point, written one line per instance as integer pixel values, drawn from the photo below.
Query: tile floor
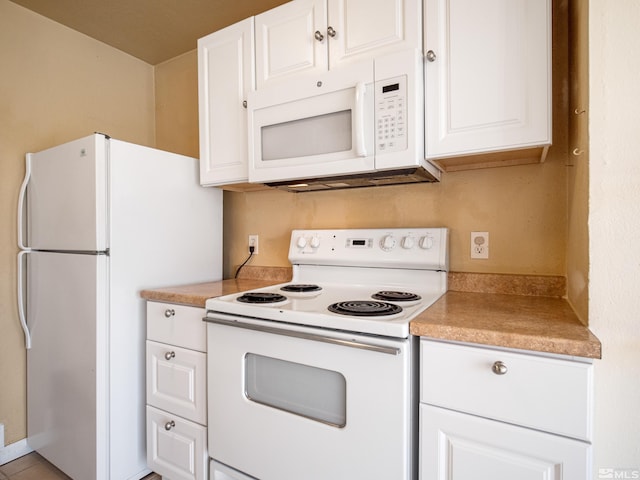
(34, 467)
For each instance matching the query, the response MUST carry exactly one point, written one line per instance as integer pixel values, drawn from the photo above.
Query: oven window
(311, 392)
(321, 134)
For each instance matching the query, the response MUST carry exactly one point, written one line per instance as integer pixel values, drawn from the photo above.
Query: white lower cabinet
(176, 392)
(176, 448)
(458, 446)
(499, 414)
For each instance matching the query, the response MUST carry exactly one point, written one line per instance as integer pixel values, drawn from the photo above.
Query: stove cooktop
(372, 281)
(392, 319)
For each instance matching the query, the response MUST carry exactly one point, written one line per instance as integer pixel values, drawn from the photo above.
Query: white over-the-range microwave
(360, 125)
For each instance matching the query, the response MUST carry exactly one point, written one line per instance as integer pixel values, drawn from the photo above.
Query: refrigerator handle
(21, 198)
(21, 310)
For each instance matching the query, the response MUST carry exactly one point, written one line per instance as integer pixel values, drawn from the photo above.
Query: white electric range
(327, 358)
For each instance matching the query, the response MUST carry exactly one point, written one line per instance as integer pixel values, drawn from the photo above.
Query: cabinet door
(286, 42)
(489, 86)
(359, 29)
(176, 448)
(176, 381)
(225, 76)
(457, 446)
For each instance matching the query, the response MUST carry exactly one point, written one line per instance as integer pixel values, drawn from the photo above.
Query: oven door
(313, 127)
(309, 404)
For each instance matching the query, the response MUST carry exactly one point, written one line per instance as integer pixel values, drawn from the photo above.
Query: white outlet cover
(480, 245)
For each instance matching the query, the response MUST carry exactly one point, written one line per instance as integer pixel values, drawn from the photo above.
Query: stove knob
(408, 242)
(426, 242)
(315, 241)
(387, 243)
(302, 242)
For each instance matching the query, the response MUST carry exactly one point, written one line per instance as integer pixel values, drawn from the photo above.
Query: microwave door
(321, 131)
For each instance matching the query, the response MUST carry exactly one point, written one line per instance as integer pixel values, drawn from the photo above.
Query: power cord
(251, 250)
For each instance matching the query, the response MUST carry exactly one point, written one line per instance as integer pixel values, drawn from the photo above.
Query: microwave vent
(369, 179)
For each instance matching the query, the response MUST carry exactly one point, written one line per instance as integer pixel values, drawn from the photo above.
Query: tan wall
(578, 173)
(614, 198)
(55, 85)
(524, 208)
(177, 105)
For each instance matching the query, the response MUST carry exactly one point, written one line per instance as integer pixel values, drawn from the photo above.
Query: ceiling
(151, 30)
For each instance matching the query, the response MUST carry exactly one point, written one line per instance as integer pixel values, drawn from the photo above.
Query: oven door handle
(306, 336)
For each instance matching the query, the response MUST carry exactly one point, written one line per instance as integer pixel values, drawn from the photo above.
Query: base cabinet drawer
(458, 446)
(543, 393)
(178, 325)
(176, 448)
(177, 381)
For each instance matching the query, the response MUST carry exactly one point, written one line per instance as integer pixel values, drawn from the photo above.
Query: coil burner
(301, 288)
(364, 308)
(261, 297)
(392, 296)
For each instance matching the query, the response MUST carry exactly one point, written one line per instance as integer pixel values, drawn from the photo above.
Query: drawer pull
(169, 355)
(169, 312)
(499, 368)
(169, 425)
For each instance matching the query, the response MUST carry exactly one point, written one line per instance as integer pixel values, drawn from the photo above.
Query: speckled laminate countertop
(542, 324)
(521, 321)
(196, 295)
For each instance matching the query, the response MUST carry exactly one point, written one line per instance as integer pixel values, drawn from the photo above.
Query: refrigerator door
(67, 197)
(67, 365)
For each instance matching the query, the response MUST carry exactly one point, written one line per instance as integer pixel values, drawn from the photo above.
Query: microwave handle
(358, 124)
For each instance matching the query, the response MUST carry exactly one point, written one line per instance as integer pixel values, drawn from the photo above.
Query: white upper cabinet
(286, 43)
(312, 36)
(225, 76)
(487, 77)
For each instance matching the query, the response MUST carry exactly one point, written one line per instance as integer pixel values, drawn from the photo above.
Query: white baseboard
(15, 450)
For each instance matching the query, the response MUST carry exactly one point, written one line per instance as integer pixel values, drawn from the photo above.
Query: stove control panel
(424, 248)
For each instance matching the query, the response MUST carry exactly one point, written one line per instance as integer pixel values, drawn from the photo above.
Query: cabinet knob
(169, 425)
(319, 36)
(431, 56)
(244, 103)
(331, 32)
(499, 368)
(170, 355)
(169, 312)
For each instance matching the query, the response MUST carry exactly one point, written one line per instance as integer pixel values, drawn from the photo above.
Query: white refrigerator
(99, 220)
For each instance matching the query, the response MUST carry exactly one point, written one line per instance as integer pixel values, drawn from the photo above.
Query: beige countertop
(196, 295)
(521, 321)
(542, 324)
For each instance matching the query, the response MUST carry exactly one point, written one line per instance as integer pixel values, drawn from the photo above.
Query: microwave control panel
(391, 114)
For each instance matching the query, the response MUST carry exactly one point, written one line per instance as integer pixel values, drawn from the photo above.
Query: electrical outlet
(480, 245)
(253, 242)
